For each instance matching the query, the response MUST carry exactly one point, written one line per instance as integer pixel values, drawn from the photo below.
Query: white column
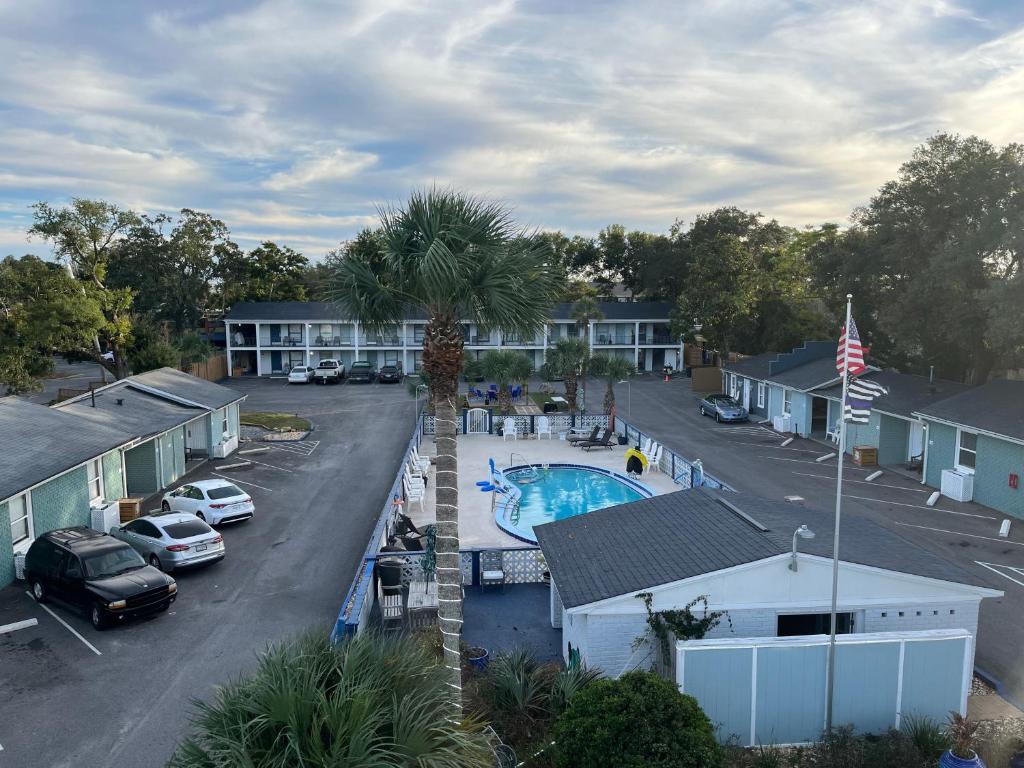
(544, 355)
(259, 352)
(227, 340)
(305, 330)
(355, 340)
(636, 343)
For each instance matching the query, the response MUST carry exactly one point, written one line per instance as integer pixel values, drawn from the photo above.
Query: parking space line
(918, 506)
(6, 628)
(804, 461)
(995, 566)
(272, 466)
(67, 626)
(958, 533)
(243, 482)
(773, 444)
(865, 482)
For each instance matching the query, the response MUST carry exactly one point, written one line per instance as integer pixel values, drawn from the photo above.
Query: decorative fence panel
(470, 422)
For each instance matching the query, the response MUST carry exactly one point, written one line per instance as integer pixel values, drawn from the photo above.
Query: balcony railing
(657, 338)
(607, 340)
(331, 342)
(285, 341)
(383, 341)
(245, 341)
(480, 341)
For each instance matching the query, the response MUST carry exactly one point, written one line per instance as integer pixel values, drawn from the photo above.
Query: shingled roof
(996, 407)
(907, 392)
(632, 547)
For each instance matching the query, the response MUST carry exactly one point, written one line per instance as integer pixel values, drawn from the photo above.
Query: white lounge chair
(508, 429)
(416, 471)
(832, 433)
(414, 477)
(421, 462)
(544, 427)
(389, 596)
(413, 493)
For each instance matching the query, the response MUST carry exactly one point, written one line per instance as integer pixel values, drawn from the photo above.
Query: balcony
(331, 342)
(480, 341)
(382, 340)
(239, 340)
(613, 339)
(284, 341)
(515, 341)
(658, 338)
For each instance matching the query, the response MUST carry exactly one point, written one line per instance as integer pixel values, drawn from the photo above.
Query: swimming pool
(559, 491)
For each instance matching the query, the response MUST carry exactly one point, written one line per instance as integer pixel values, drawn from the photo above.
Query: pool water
(561, 492)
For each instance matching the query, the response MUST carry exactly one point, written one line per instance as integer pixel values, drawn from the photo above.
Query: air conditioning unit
(958, 486)
(105, 518)
(222, 450)
(783, 422)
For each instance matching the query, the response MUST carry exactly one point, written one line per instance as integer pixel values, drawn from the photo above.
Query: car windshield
(328, 364)
(360, 365)
(299, 369)
(728, 402)
(112, 562)
(223, 492)
(187, 529)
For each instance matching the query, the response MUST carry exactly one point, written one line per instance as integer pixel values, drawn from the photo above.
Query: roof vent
(119, 401)
(741, 514)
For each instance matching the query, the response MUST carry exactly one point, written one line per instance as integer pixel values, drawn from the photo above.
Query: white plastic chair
(649, 450)
(422, 463)
(654, 460)
(645, 446)
(509, 429)
(544, 427)
(414, 481)
(833, 432)
(412, 493)
(416, 471)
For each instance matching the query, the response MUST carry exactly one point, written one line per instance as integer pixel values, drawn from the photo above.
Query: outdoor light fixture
(804, 533)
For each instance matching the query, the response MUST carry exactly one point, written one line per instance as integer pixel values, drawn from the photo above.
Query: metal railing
(682, 471)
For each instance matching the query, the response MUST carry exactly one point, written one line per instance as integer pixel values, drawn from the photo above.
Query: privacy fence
(522, 564)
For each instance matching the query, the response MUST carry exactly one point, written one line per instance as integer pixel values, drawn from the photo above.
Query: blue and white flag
(859, 395)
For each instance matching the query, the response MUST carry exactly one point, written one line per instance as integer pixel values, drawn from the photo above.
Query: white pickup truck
(329, 371)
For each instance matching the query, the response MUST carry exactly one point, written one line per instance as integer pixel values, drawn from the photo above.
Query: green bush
(637, 721)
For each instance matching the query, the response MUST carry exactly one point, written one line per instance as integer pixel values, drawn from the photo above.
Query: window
(72, 567)
(95, 471)
(760, 394)
(20, 509)
(226, 425)
(814, 624)
(195, 493)
(967, 451)
(787, 401)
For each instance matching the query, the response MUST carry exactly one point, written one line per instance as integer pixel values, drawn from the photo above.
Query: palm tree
(612, 369)
(453, 257)
(505, 368)
(584, 311)
(367, 701)
(567, 359)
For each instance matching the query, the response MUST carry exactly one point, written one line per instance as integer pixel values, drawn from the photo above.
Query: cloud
(296, 119)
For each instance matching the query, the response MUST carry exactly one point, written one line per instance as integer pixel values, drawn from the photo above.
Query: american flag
(855, 357)
(859, 395)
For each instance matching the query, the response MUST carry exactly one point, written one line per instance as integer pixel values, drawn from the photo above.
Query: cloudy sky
(293, 120)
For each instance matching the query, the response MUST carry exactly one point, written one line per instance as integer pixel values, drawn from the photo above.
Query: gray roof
(755, 367)
(183, 385)
(996, 407)
(142, 413)
(809, 375)
(299, 311)
(690, 533)
(907, 392)
(47, 442)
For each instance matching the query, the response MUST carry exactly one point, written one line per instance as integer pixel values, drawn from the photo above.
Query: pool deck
(476, 521)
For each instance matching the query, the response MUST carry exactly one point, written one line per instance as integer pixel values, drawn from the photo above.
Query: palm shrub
(612, 369)
(584, 311)
(504, 368)
(453, 257)
(638, 721)
(567, 359)
(370, 701)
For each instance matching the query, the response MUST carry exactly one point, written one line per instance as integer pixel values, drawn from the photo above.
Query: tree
(638, 721)
(43, 311)
(369, 700)
(506, 367)
(84, 236)
(454, 257)
(584, 311)
(269, 272)
(612, 369)
(567, 359)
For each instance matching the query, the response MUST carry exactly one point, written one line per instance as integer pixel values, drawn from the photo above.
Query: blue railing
(683, 471)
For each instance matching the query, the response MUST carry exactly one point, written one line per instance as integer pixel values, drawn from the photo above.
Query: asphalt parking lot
(751, 459)
(72, 696)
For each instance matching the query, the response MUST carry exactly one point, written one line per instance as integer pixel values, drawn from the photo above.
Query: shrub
(637, 721)
(928, 736)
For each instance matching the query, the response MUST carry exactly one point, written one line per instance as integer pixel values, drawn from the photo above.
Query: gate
(478, 421)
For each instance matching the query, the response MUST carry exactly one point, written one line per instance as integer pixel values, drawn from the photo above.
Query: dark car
(97, 574)
(362, 371)
(390, 374)
(723, 408)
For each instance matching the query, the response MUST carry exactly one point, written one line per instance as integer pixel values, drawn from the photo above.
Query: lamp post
(416, 407)
(629, 398)
(802, 532)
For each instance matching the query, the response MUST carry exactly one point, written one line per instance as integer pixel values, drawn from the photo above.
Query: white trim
(960, 432)
(96, 463)
(976, 430)
(865, 638)
(762, 394)
(22, 546)
(968, 673)
(899, 684)
(753, 696)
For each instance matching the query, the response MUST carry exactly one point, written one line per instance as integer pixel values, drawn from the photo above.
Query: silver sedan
(172, 540)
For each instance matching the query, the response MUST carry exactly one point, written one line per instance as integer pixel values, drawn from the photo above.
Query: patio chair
(508, 428)
(413, 494)
(416, 472)
(544, 427)
(649, 451)
(604, 441)
(422, 462)
(492, 569)
(389, 593)
(517, 392)
(654, 462)
(833, 432)
(579, 437)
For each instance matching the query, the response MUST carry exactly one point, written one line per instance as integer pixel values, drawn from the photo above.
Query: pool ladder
(529, 475)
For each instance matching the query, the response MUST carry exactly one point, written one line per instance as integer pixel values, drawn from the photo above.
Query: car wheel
(99, 621)
(718, 418)
(702, 411)
(155, 562)
(39, 592)
(165, 506)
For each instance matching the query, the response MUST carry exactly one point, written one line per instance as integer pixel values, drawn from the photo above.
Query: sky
(294, 121)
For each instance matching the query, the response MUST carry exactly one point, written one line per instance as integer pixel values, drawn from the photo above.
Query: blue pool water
(561, 492)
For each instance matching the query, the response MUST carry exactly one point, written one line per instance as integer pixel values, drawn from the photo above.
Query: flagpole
(835, 535)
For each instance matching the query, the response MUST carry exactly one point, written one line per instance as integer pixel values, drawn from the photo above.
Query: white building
(265, 338)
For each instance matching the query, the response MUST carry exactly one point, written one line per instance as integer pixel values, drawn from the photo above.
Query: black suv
(390, 374)
(96, 573)
(362, 371)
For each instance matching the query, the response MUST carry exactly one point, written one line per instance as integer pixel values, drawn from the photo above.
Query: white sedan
(301, 374)
(215, 501)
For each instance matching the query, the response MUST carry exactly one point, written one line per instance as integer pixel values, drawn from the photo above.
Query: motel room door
(916, 442)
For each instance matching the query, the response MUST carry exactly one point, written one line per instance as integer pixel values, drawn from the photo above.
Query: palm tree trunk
(609, 397)
(442, 359)
(570, 391)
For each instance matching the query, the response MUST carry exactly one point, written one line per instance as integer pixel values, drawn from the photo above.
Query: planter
(622, 440)
(478, 658)
(949, 760)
